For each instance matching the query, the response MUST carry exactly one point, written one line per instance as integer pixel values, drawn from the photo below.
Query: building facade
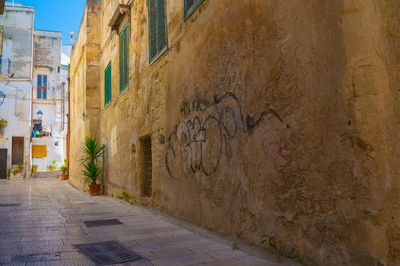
(265, 120)
(49, 101)
(16, 83)
(33, 81)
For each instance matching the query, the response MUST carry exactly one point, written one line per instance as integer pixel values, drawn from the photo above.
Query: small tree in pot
(91, 152)
(64, 170)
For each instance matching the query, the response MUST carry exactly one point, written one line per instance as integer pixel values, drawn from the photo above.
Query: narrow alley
(200, 132)
(42, 219)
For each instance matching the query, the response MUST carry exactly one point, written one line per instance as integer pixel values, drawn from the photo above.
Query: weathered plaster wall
(48, 62)
(278, 118)
(19, 28)
(84, 88)
(16, 109)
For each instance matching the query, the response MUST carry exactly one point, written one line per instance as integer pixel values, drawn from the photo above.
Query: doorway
(17, 150)
(3, 163)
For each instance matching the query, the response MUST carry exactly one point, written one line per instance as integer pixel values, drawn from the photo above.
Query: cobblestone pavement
(41, 220)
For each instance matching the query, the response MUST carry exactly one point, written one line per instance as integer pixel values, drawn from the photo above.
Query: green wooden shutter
(107, 85)
(158, 37)
(191, 6)
(39, 84)
(127, 35)
(124, 58)
(162, 38)
(121, 60)
(152, 29)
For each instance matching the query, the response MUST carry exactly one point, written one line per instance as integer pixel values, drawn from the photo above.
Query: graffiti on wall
(273, 146)
(198, 144)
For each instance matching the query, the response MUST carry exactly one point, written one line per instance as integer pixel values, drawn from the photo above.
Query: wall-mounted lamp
(39, 114)
(2, 97)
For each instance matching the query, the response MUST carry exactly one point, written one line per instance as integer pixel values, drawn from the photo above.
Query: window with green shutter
(191, 6)
(124, 58)
(158, 38)
(107, 85)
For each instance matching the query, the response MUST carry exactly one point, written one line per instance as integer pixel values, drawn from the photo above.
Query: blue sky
(57, 15)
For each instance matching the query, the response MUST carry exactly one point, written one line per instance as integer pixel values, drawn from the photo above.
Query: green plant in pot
(64, 170)
(52, 165)
(91, 152)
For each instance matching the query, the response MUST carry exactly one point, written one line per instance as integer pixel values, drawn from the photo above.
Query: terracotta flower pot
(94, 189)
(52, 168)
(64, 177)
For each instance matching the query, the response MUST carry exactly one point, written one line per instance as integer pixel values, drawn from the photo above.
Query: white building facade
(33, 79)
(16, 85)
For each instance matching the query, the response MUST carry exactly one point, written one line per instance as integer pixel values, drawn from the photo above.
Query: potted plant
(52, 165)
(91, 152)
(64, 169)
(20, 166)
(3, 124)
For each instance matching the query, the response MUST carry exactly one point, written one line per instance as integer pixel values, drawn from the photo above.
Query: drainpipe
(62, 105)
(68, 122)
(32, 78)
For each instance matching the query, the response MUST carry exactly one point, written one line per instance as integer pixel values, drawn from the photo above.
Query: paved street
(41, 220)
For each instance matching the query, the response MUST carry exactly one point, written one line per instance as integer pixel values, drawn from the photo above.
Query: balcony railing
(5, 66)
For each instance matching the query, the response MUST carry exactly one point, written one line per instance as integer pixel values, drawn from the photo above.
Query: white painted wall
(16, 109)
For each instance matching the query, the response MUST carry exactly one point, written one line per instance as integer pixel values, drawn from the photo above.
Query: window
(107, 85)
(147, 180)
(158, 38)
(124, 58)
(42, 87)
(191, 6)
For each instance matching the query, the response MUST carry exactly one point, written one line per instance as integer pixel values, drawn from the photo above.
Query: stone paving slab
(50, 220)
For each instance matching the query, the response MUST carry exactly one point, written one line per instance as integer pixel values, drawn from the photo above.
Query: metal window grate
(36, 257)
(147, 181)
(110, 252)
(9, 204)
(95, 223)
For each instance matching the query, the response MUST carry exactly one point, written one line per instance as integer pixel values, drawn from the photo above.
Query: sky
(57, 15)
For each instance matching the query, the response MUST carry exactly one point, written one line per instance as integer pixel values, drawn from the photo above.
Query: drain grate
(36, 257)
(102, 222)
(110, 252)
(9, 204)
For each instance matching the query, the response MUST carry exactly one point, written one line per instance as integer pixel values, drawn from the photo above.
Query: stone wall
(18, 36)
(84, 88)
(270, 120)
(17, 84)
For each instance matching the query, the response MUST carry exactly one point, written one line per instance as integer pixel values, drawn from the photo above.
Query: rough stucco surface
(279, 118)
(84, 90)
(18, 29)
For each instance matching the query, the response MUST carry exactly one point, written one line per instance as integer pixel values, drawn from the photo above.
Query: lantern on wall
(39, 114)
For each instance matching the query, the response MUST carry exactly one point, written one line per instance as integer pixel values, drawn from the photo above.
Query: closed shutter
(152, 29)
(41, 87)
(191, 6)
(39, 151)
(124, 58)
(44, 93)
(158, 37)
(107, 85)
(121, 62)
(39, 84)
(162, 38)
(126, 61)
